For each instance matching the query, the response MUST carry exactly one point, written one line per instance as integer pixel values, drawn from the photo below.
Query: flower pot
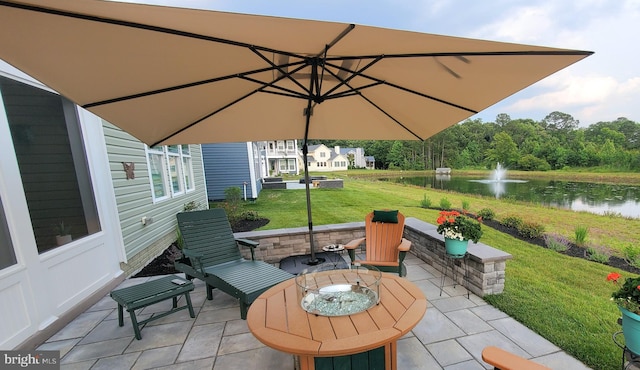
(63, 239)
(456, 247)
(631, 330)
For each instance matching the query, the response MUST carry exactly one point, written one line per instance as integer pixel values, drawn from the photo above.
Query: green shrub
(486, 214)
(191, 206)
(631, 255)
(512, 221)
(232, 196)
(466, 205)
(581, 234)
(445, 204)
(250, 215)
(531, 230)
(598, 254)
(179, 240)
(426, 202)
(556, 242)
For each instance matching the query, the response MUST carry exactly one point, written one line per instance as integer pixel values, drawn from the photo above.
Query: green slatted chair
(215, 258)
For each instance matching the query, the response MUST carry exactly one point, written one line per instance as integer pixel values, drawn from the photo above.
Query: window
(280, 146)
(292, 164)
(289, 145)
(158, 173)
(55, 176)
(282, 164)
(7, 254)
(173, 158)
(323, 154)
(170, 171)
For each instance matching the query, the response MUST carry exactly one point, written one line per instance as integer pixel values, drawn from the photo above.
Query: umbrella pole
(305, 151)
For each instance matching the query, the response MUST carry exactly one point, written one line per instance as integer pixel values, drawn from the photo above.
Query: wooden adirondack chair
(384, 245)
(215, 258)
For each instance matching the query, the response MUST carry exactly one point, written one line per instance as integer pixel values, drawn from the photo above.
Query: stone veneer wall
(140, 260)
(486, 265)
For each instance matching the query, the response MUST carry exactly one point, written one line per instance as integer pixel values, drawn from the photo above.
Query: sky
(602, 87)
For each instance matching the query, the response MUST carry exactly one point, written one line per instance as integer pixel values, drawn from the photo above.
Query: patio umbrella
(183, 76)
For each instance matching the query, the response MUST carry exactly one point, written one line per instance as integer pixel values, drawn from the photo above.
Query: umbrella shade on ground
(183, 76)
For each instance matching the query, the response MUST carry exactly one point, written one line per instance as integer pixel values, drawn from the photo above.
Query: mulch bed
(163, 264)
(572, 251)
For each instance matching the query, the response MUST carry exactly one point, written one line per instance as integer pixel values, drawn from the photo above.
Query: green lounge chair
(215, 258)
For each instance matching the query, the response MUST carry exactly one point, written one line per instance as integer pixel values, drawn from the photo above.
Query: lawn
(564, 299)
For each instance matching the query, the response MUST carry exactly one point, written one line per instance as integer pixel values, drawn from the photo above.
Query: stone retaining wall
(486, 265)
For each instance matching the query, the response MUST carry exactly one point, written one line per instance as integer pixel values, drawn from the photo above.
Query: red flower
(614, 276)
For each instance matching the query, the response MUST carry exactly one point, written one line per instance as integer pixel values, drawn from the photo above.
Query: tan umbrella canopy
(183, 76)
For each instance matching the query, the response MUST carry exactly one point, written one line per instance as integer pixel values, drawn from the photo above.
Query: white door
(55, 245)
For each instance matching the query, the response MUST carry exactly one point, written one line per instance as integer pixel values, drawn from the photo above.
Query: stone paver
(451, 335)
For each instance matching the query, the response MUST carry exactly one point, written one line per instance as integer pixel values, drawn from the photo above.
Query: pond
(577, 196)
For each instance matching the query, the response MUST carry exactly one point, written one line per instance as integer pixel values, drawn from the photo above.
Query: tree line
(556, 142)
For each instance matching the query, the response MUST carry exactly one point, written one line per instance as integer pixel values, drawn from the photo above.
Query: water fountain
(497, 180)
(499, 173)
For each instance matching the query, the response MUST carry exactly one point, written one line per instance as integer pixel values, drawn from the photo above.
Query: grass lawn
(564, 299)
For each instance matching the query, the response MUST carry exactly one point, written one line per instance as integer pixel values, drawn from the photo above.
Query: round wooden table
(368, 338)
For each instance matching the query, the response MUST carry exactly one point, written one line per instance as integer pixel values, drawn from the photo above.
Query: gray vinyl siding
(134, 198)
(227, 165)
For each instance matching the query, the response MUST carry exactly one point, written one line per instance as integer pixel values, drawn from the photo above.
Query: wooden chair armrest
(196, 260)
(405, 245)
(503, 360)
(354, 243)
(249, 243)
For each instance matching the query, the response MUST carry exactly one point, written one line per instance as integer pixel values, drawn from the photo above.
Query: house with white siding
(279, 157)
(356, 157)
(82, 206)
(320, 158)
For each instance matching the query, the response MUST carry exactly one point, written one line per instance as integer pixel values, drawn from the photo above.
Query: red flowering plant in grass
(454, 225)
(628, 294)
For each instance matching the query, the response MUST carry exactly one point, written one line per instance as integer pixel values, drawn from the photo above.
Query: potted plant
(457, 230)
(627, 297)
(63, 233)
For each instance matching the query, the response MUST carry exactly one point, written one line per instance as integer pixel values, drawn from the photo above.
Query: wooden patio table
(365, 340)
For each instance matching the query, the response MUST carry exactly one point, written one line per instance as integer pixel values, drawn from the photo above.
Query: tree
(503, 150)
(558, 121)
(502, 119)
(396, 155)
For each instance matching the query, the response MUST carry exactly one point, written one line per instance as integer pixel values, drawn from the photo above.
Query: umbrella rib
(353, 74)
(225, 106)
(391, 117)
(285, 91)
(204, 117)
(279, 68)
(462, 54)
(187, 85)
(353, 91)
(123, 23)
(377, 81)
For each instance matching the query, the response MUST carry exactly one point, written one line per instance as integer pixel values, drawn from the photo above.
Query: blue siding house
(231, 164)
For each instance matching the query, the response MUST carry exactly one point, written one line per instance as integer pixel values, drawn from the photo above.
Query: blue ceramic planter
(631, 330)
(455, 247)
